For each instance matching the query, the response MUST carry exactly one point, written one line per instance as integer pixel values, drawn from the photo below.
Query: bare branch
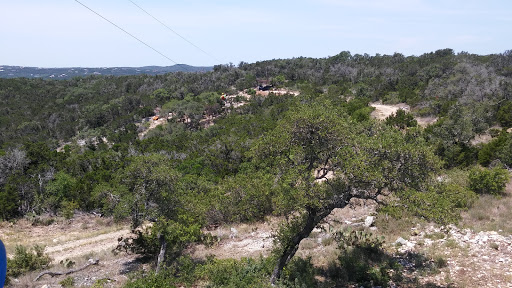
(90, 263)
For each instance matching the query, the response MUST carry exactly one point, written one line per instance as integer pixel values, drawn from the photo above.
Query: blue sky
(62, 33)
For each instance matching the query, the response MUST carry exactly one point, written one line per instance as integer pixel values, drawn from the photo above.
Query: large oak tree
(322, 159)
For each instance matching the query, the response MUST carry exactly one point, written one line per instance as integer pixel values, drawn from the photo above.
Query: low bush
(500, 148)
(26, 260)
(67, 282)
(401, 120)
(362, 261)
(161, 280)
(299, 273)
(488, 181)
(441, 203)
(246, 272)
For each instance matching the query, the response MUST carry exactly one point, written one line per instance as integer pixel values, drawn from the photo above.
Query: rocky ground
(468, 259)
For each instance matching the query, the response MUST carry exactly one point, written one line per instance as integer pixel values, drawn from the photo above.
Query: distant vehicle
(265, 87)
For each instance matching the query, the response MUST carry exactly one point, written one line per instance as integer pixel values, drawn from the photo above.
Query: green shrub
(246, 198)
(500, 148)
(440, 262)
(26, 260)
(59, 189)
(401, 120)
(441, 203)
(68, 208)
(9, 201)
(178, 234)
(182, 272)
(488, 181)
(361, 239)
(67, 282)
(209, 240)
(357, 104)
(494, 132)
(160, 280)
(362, 261)
(299, 273)
(246, 272)
(504, 114)
(362, 114)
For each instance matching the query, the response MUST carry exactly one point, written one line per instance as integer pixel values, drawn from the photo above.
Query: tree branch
(95, 262)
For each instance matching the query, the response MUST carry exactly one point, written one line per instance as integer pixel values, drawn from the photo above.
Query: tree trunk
(313, 218)
(161, 255)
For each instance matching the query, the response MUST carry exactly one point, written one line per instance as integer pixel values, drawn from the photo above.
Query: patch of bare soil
(110, 272)
(425, 121)
(102, 243)
(485, 137)
(83, 237)
(280, 91)
(237, 241)
(382, 111)
(152, 125)
(481, 139)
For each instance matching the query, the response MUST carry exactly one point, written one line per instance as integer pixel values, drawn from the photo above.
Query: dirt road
(84, 235)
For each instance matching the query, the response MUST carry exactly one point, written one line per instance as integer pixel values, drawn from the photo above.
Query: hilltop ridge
(70, 72)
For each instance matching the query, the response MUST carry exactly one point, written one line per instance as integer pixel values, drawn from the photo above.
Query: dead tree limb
(51, 273)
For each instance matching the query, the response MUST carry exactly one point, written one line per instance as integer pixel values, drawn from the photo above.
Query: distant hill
(67, 73)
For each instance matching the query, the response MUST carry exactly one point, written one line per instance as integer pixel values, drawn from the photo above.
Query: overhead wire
(173, 31)
(133, 36)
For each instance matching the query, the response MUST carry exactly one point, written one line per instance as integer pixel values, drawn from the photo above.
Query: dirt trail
(91, 245)
(66, 239)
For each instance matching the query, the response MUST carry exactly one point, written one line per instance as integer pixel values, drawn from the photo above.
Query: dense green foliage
(488, 181)
(441, 203)
(296, 155)
(401, 120)
(498, 150)
(26, 260)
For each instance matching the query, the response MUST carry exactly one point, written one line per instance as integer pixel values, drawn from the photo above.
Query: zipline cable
(162, 54)
(172, 30)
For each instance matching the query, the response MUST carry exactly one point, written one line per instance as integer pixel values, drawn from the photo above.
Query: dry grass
(490, 213)
(392, 228)
(64, 238)
(84, 237)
